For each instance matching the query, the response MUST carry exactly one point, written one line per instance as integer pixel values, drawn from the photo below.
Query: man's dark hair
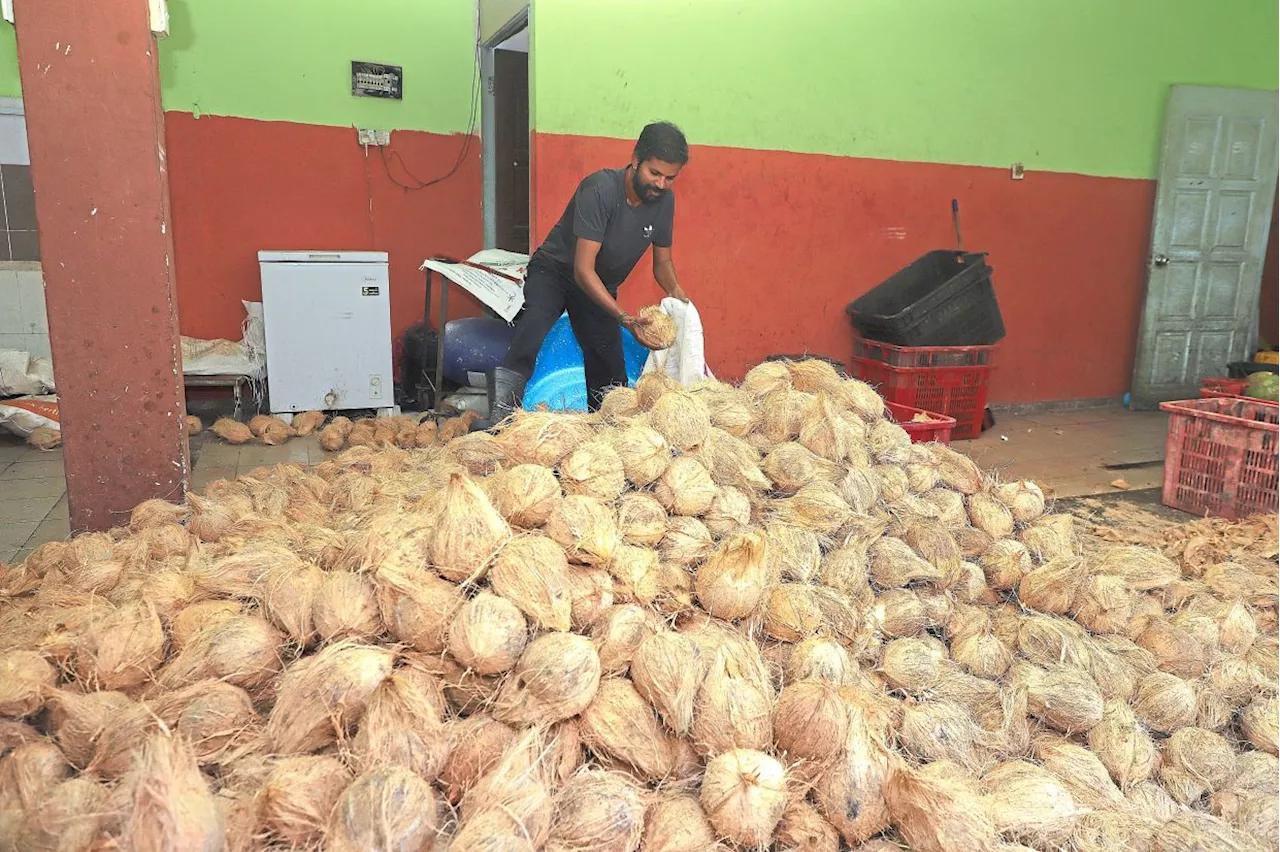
(663, 141)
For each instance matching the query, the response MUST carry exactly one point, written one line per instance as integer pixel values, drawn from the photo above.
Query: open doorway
(506, 136)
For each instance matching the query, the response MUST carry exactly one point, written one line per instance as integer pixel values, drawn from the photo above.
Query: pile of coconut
(707, 618)
(402, 431)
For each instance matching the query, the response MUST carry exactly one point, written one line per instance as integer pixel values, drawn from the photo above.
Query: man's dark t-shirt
(599, 211)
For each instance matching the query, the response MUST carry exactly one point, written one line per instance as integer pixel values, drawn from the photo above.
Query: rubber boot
(506, 392)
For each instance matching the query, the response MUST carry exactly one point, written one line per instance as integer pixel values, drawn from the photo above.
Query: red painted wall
(1269, 304)
(772, 245)
(240, 185)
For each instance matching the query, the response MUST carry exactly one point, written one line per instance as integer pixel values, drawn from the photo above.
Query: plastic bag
(22, 375)
(24, 415)
(686, 360)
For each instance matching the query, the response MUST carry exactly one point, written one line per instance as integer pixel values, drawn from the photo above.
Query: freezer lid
(322, 257)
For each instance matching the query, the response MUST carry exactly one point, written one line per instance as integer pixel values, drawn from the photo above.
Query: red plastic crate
(959, 392)
(1216, 388)
(1221, 457)
(922, 356)
(937, 428)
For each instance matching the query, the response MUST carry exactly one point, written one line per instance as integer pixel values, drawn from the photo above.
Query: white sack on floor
(245, 357)
(24, 415)
(22, 375)
(685, 361)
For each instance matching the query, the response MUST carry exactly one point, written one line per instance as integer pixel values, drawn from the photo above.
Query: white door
(1213, 208)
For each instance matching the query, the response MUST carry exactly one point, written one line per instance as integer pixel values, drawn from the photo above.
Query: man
(613, 218)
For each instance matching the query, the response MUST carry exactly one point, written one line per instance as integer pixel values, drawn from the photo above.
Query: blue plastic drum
(474, 345)
(558, 380)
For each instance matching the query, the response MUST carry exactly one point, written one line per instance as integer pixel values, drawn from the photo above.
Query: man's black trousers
(548, 294)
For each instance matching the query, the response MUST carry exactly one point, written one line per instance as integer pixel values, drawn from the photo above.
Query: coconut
(509, 806)
(899, 612)
(1005, 563)
(25, 680)
(732, 581)
(1265, 655)
(641, 519)
(294, 802)
(469, 532)
(635, 574)
(922, 476)
(1142, 568)
(527, 495)
(1104, 604)
(651, 386)
(1026, 802)
(585, 528)
(28, 773)
(417, 607)
(619, 726)
(1049, 537)
(937, 547)
(821, 659)
(791, 612)
(685, 488)
(216, 719)
(790, 466)
(895, 565)
(401, 726)
(888, 443)
(675, 589)
(1054, 586)
(813, 375)
(346, 607)
(77, 720)
(845, 568)
(593, 469)
(120, 739)
(823, 432)
(555, 679)
(942, 730)
(1259, 817)
(488, 634)
(803, 829)
(957, 471)
(1165, 702)
(793, 553)
(1024, 499)
(810, 721)
(1196, 762)
(767, 377)
(533, 573)
(478, 744)
(618, 633)
(860, 488)
(1259, 722)
(891, 482)
(1081, 772)
(850, 790)
(597, 810)
(121, 649)
(1178, 651)
(386, 808)
(590, 593)
(1103, 831)
(733, 411)
(154, 513)
(1238, 629)
(733, 705)
(936, 809)
(1050, 641)
(642, 451)
(170, 803)
(732, 461)
(231, 431)
(730, 511)
(478, 452)
(68, 819)
(619, 404)
(784, 413)
(744, 794)
(323, 694)
(1122, 745)
(195, 617)
(817, 507)
(1064, 698)
(913, 664)
(667, 669)
(334, 436)
(682, 419)
(990, 515)
(677, 823)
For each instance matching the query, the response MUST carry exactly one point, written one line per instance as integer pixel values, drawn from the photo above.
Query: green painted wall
(1061, 85)
(10, 87)
(266, 59)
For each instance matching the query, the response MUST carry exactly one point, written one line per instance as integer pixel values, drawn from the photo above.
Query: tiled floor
(1065, 451)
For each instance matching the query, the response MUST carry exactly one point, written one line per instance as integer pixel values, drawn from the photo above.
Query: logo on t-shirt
(648, 232)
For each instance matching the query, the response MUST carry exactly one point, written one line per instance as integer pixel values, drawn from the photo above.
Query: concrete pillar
(95, 129)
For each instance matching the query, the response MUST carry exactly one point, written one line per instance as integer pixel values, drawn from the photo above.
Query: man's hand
(631, 323)
(678, 292)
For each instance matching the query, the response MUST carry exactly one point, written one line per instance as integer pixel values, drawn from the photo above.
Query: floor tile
(16, 533)
(28, 509)
(14, 489)
(49, 530)
(34, 469)
(8, 552)
(60, 510)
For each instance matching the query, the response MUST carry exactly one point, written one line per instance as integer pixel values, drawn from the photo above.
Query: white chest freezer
(327, 317)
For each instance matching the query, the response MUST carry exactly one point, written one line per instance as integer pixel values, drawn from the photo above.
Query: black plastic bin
(944, 298)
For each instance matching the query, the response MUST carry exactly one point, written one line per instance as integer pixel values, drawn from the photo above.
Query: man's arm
(664, 269)
(584, 274)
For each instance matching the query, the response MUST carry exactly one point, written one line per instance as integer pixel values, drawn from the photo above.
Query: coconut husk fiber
(121, 649)
(682, 419)
(469, 532)
(621, 728)
(386, 808)
(510, 806)
(1063, 698)
(643, 452)
(232, 431)
(346, 607)
(417, 607)
(810, 721)
(913, 664)
(790, 466)
(850, 789)
(556, 678)
(216, 719)
(732, 462)
(1177, 651)
(243, 651)
(77, 720)
(732, 580)
(1189, 831)
(586, 528)
(943, 730)
(635, 573)
(1028, 802)
(477, 745)
(791, 612)
(675, 590)
(641, 519)
(591, 595)
(1123, 745)
(821, 659)
(29, 772)
(533, 573)
(817, 507)
(730, 511)
(619, 404)
(794, 553)
(937, 810)
(1259, 722)
(401, 726)
(618, 633)
(677, 823)
(25, 681)
(593, 469)
(1165, 702)
(651, 386)
(895, 565)
(1080, 771)
(68, 819)
(733, 708)
(685, 488)
(488, 634)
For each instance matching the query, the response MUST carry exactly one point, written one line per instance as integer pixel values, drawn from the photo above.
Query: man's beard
(646, 194)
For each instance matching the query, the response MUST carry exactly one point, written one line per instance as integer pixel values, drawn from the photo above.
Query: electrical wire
(472, 120)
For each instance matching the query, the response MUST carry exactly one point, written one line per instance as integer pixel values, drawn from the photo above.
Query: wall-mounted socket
(380, 138)
(1017, 172)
